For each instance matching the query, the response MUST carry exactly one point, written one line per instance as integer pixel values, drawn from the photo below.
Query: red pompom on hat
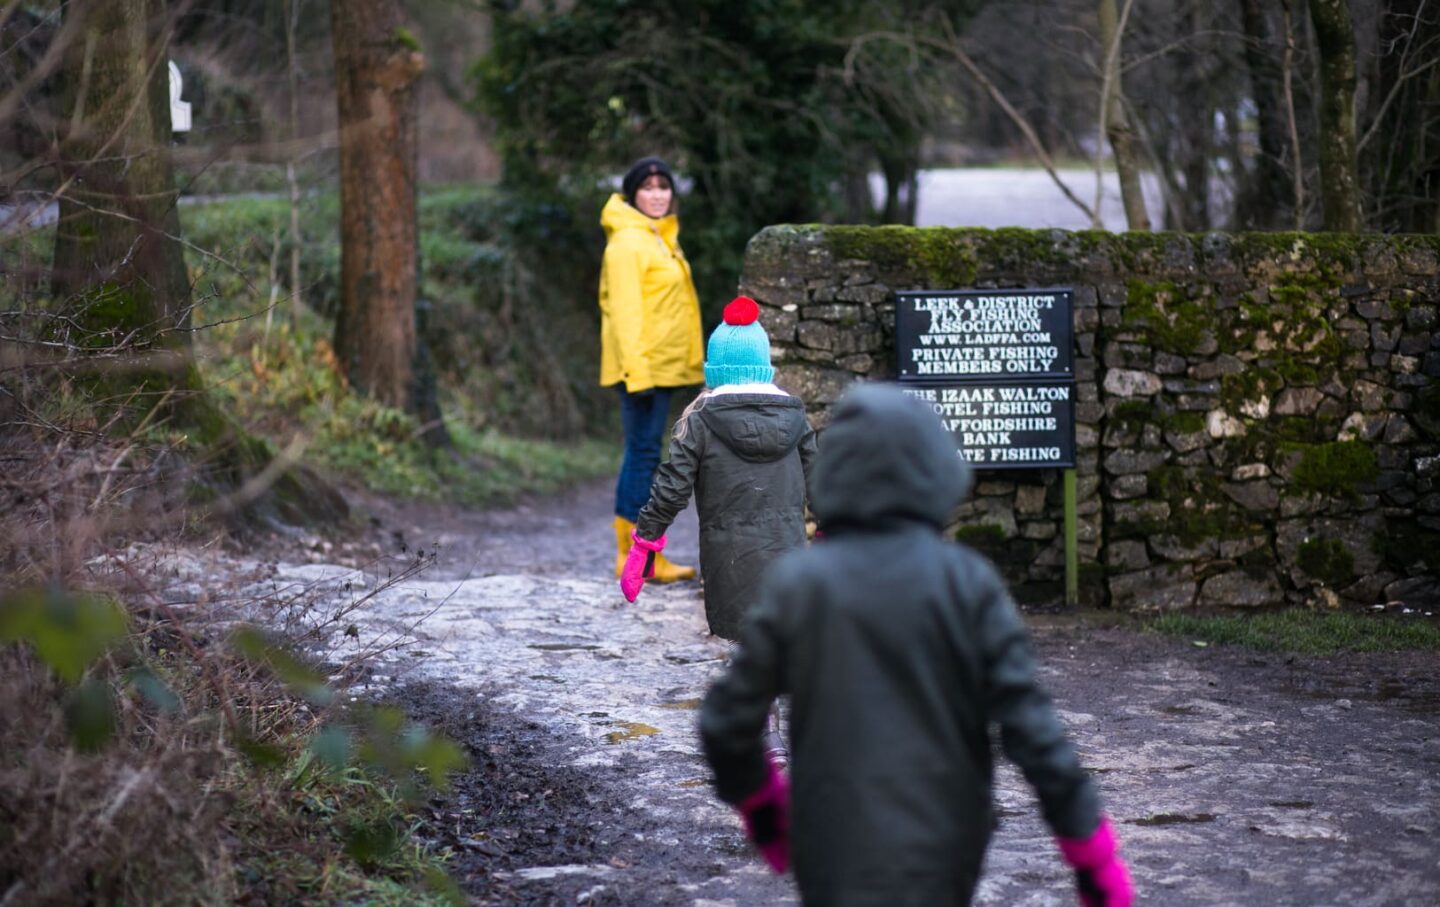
(742, 310)
(739, 351)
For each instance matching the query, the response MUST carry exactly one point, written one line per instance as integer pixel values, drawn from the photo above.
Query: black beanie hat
(639, 171)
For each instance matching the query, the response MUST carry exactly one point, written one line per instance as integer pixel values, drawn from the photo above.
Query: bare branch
(952, 47)
(1287, 66)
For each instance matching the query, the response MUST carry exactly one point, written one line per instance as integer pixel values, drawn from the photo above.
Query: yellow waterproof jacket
(649, 312)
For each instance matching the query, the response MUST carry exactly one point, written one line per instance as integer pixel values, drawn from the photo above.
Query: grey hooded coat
(900, 650)
(745, 456)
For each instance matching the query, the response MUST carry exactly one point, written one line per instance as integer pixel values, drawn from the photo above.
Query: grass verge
(1304, 632)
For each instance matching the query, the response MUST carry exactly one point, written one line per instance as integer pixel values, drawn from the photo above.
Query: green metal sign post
(1072, 545)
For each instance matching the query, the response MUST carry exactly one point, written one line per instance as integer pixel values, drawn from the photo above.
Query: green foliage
(509, 285)
(1304, 632)
(313, 809)
(1327, 560)
(752, 101)
(68, 632)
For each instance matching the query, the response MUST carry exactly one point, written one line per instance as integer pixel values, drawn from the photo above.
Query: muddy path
(1234, 778)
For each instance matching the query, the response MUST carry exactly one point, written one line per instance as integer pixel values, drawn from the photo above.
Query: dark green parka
(900, 649)
(745, 456)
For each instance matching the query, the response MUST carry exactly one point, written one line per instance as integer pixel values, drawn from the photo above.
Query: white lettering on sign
(179, 110)
(1016, 334)
(1001, 424)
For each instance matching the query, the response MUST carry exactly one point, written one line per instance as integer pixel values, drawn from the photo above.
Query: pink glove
(767, 819)
(639, 565)
(1100, 874)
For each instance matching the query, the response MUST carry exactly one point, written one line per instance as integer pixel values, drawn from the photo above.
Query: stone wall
(1257, 416)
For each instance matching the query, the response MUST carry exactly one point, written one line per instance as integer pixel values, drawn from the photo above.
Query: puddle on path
(630, 730)
(1174, 819)
(1395, 691)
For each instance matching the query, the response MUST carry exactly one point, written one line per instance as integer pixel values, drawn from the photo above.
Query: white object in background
(179, 110)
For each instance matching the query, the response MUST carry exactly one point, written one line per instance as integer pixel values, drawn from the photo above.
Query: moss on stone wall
(980, 535)
(1249, 353)
(936, 256)
(1327, 560)
(1405, 546)
(1335, 468)
(1199, 508)
(1171, 321)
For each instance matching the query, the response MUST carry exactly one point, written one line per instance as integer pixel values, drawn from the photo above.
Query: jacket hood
(885, 455)
(760, 428)
(617, 215)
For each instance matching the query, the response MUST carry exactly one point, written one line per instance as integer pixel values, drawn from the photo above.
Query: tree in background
(377, 63)
(1114, 120)
(1264, 198)
(118, 264)
(1339, 176)
(1400, 148)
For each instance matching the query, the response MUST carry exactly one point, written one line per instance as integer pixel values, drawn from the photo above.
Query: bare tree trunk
(292, 21)
(118, 261)
(1115, 122)
(1266, 196)
(901, 170)
(1297, 160)
(376, 68)
(1339, 172)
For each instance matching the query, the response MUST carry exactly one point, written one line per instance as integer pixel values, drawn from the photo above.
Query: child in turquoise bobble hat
(744, 448)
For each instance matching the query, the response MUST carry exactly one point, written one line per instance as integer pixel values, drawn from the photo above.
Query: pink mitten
(767, 819)
(1100, 874)
(639, 565)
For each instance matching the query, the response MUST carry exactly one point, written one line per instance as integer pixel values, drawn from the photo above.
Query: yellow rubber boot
(666, 571)
(669, 572)
(623, 541)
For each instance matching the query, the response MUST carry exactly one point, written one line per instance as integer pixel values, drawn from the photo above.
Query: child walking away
(744, 448)
(899, 649)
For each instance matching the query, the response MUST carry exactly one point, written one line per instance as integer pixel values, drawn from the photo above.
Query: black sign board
(992, 335)
(1006, 425)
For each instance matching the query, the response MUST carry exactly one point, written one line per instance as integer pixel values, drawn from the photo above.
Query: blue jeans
(642, 417)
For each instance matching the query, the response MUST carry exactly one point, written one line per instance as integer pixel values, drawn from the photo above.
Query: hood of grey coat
(885, 455)
(759, 428)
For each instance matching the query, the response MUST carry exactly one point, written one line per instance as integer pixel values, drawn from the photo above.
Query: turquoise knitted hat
(739, 351)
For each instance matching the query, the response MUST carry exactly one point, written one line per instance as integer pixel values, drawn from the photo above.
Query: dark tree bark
(376, 69)
(1339, 171)
(119, 266)
(1266, 201)
(901, 168)
(1197, 119)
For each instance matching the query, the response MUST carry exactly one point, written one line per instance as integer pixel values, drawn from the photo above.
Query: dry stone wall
(1257, 415)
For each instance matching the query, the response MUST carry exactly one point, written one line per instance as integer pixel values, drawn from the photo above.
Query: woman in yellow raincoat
(650, 337)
